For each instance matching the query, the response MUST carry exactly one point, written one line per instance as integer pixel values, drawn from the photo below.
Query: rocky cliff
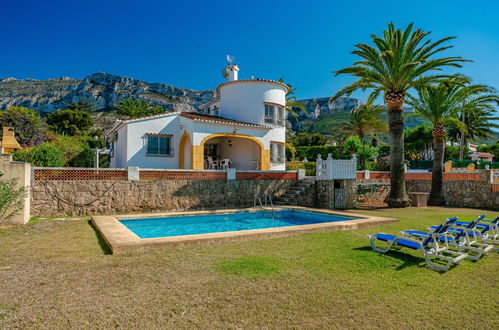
(101, 89)
(105, 90)
(317, 107)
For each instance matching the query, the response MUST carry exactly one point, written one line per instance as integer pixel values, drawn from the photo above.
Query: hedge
(311, 152)
(309, 167)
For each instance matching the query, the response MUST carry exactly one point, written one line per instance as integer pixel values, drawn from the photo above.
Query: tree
(452, 152)
(364, 152)
(477, 124)
(365, 120)
(70, 122)
(291, 102)
(418, 143)
(138, 108)
(30, 130)
(309, 139)
(399, 61)
(11, 198)
(440, 104)
(43, 155)
(81, 106)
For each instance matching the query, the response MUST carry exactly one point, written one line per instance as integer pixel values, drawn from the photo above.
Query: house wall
(241, 153)
(265, 136)
(137, 142)
(120, 150)
(244, 100)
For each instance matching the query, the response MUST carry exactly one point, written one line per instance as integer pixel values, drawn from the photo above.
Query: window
(277, 152)
(280, 115)
(159, 145)
(269, 113)
(211, 150)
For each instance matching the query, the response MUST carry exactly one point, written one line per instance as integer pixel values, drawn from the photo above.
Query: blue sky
(184, 43)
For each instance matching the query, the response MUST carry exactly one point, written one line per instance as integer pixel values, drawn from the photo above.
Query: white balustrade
(330, 169)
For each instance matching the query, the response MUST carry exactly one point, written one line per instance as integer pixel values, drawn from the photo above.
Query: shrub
(30, 130)
(311, 152)
(365, 153)
(383, 164)
(44, 155)
(309, 167)
(11, 198)
(384, 150)
(308, 139)
(85, 158)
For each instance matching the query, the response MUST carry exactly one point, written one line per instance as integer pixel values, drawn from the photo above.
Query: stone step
(294, 192)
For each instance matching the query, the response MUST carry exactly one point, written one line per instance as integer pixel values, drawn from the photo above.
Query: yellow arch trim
(197, 156)
(181, 148)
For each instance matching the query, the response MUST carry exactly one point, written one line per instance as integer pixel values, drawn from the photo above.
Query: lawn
(59, 274)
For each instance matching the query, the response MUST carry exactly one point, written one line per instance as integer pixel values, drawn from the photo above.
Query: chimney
(233, 69)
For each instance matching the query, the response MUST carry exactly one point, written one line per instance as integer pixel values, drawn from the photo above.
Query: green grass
(249, 266)
(60, 275)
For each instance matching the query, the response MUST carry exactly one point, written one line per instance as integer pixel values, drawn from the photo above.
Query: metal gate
(340, 198)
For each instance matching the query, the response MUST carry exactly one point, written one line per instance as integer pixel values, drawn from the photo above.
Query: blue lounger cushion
(455, 230)
(425, 234)
(418, 233)
(464, 224)
(400, 241)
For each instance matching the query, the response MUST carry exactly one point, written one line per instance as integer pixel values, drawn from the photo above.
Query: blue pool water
(204, 224)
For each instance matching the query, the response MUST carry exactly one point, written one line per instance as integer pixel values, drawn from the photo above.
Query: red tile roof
(483, 154)
(216, 119)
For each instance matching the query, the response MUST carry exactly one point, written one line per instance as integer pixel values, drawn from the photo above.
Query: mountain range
(105, 90)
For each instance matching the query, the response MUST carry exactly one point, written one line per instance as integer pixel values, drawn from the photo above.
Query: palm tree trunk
(436, 194)
(461, 142)
(398, 195)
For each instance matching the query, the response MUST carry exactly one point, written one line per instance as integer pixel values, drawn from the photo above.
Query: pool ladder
(265, 198)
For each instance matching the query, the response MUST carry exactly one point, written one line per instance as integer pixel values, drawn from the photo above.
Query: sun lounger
(430, 247)
(462, 238)
(485, 231)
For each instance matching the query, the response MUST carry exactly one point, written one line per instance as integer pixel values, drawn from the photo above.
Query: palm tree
(138, 108)
(440, 104)
(477, 126)
(365, 120)
(291, 100)
(399, 61)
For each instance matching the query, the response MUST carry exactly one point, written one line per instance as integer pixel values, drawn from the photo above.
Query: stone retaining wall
(461, 193)
(100, 197)
(61, 198)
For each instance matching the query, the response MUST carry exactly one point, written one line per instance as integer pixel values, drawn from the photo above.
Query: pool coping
(122, 240)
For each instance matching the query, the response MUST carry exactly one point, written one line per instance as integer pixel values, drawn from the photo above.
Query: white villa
(243, 127)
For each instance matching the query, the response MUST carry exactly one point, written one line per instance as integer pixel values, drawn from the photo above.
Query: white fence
(331, 169)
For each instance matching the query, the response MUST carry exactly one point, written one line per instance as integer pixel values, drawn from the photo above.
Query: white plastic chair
(212, 164)
(224, 164)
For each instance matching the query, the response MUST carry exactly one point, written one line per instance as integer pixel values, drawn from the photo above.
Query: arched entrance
(246, 152)
(185, 152)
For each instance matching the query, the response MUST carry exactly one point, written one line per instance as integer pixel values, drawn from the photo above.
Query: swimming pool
(217, 223)
(127, 233)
